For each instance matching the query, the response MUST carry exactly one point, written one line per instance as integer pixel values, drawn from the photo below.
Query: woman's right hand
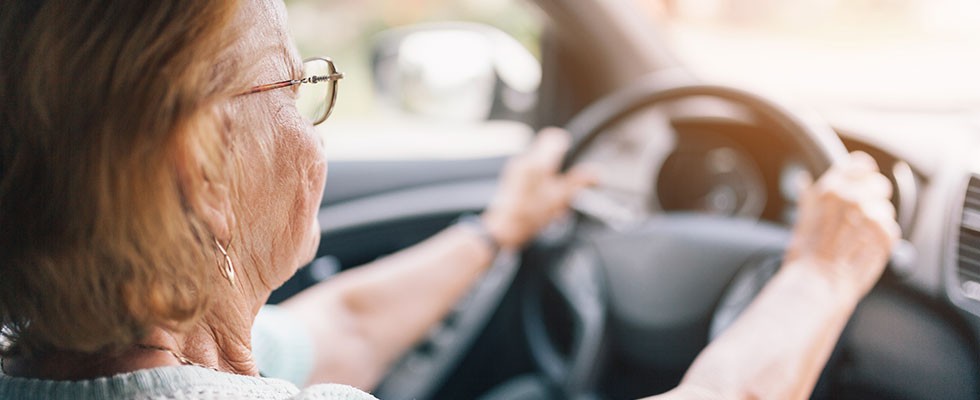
(846, 226)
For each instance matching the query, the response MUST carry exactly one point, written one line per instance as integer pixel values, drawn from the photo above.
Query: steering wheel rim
(816, 142)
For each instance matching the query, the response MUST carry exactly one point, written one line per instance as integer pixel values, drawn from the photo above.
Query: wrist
(817, 279)
(501, 230)
(478, 226)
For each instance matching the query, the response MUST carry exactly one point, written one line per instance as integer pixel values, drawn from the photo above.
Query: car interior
(699, 190)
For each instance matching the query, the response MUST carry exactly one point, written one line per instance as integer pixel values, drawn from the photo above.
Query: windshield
(363, 126)
(922, 54)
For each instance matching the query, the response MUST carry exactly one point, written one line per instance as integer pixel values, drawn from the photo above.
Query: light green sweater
(177, 383)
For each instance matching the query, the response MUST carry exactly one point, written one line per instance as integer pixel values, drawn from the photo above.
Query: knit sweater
(176, 383)
(282, 346)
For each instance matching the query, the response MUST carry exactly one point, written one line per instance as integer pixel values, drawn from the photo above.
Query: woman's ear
(206, 197)
(214, 208)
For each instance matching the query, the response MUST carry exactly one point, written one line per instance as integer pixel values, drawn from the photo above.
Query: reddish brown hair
(101, 100)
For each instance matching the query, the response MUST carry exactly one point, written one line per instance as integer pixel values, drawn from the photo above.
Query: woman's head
(125, 153)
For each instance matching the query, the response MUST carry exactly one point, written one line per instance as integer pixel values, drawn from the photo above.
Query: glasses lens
(316, 95)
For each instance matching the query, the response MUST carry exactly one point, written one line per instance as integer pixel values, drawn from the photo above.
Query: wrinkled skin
(846, 226)
(278, 182)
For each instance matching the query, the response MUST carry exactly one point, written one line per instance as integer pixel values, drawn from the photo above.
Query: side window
(427, 79)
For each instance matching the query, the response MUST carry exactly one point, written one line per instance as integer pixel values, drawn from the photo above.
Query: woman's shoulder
(332, 392)
(177, 382)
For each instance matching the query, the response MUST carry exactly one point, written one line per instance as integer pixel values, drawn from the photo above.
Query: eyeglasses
(317, 90)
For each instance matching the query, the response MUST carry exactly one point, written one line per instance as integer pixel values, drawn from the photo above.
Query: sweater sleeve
(282, 346)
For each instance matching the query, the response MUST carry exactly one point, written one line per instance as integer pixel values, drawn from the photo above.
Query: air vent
(968, 251)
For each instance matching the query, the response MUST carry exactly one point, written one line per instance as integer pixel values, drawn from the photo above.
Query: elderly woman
(158, 181)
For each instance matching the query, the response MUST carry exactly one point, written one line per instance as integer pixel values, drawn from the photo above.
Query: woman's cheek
(314, 242)
(317, 176)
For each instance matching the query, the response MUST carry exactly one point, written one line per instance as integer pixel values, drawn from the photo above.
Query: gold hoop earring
(228, 271)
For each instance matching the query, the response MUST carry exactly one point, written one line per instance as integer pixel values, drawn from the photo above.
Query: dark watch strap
(474, 223)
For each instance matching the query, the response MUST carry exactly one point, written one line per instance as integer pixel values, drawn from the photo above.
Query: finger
(893, 230)
(573, 184)
(556, 133)
(860, 162)
(878, 186)
(855, 165)
(879, 210)
(568, 186)
(548, 150)
(868, 187)
(889, 229)
(584, 175)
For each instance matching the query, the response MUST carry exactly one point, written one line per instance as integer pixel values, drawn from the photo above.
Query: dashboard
(719, 166)
(726, 164)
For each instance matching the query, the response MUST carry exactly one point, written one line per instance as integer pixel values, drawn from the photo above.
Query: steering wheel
(653, 289)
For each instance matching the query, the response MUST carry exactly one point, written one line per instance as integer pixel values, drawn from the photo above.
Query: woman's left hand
(533, 191)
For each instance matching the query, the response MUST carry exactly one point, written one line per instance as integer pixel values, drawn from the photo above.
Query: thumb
(579, 177)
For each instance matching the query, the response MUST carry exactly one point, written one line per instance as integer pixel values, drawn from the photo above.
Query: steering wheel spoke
(579, 291)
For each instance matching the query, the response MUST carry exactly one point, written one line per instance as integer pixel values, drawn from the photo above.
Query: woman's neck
(221, 340)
